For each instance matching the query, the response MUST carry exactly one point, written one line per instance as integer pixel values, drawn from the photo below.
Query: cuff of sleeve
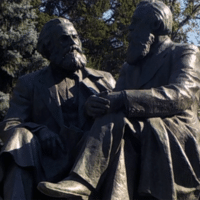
(134, 107)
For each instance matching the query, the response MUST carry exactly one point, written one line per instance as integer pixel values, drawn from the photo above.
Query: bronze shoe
(64, 189)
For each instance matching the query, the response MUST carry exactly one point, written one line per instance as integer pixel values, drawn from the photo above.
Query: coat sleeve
(180, 93)
(19, 113)
(20, 103)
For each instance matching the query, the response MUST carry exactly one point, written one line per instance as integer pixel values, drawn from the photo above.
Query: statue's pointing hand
(96, 106)
(105, 102)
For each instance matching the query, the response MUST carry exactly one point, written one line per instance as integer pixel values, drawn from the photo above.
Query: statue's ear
(156, 26)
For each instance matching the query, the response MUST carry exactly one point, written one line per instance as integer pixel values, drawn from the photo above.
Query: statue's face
(66, 48)
(140, 37)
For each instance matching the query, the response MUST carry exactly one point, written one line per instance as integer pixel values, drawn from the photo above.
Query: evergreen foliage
(42, 17)
(4, 104)
(18, 39)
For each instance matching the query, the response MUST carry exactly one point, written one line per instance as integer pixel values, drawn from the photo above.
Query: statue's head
(59, 43)
(151, 19)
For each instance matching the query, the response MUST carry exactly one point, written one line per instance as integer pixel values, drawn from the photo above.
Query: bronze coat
(35, 105)
(166, 97)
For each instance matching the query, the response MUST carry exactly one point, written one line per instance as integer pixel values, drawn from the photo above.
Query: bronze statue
(147, 145)
(46, 122)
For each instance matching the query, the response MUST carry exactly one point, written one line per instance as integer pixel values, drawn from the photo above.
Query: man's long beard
(139, 47)
(74, 61)
(71, 61)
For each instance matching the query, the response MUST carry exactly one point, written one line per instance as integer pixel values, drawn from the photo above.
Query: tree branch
(188, 17)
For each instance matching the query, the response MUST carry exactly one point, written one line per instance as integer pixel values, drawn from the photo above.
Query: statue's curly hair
(46, 35)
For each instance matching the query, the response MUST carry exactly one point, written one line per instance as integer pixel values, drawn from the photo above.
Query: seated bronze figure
(147, 145)
(46, 122)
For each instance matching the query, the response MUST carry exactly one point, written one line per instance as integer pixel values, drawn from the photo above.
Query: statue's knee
(22, 134)
(16, 134)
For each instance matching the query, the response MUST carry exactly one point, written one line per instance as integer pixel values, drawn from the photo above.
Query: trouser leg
(18, 183)
(102, 144)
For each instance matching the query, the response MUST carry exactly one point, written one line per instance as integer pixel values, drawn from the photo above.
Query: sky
(192, 35)
(192, 38)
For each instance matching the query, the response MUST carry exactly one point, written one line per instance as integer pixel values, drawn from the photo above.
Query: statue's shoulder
(98, 73)
(106, 76)
(126, 66)
(126, 69)
(179, 49)
(30, 78)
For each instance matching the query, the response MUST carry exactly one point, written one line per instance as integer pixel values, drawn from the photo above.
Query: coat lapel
(49, 93)
(91, 84)
(153, 64)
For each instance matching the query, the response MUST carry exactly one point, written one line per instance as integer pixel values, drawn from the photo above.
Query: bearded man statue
(46, 123)
(147, 145)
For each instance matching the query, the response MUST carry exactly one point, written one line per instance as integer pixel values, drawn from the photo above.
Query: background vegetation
(102, 26)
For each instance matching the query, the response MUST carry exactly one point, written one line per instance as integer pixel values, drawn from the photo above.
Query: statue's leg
(18, 183)
(101, 147)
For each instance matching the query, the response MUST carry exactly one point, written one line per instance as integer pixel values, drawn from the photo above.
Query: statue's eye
(75, 36)
(64, 38)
